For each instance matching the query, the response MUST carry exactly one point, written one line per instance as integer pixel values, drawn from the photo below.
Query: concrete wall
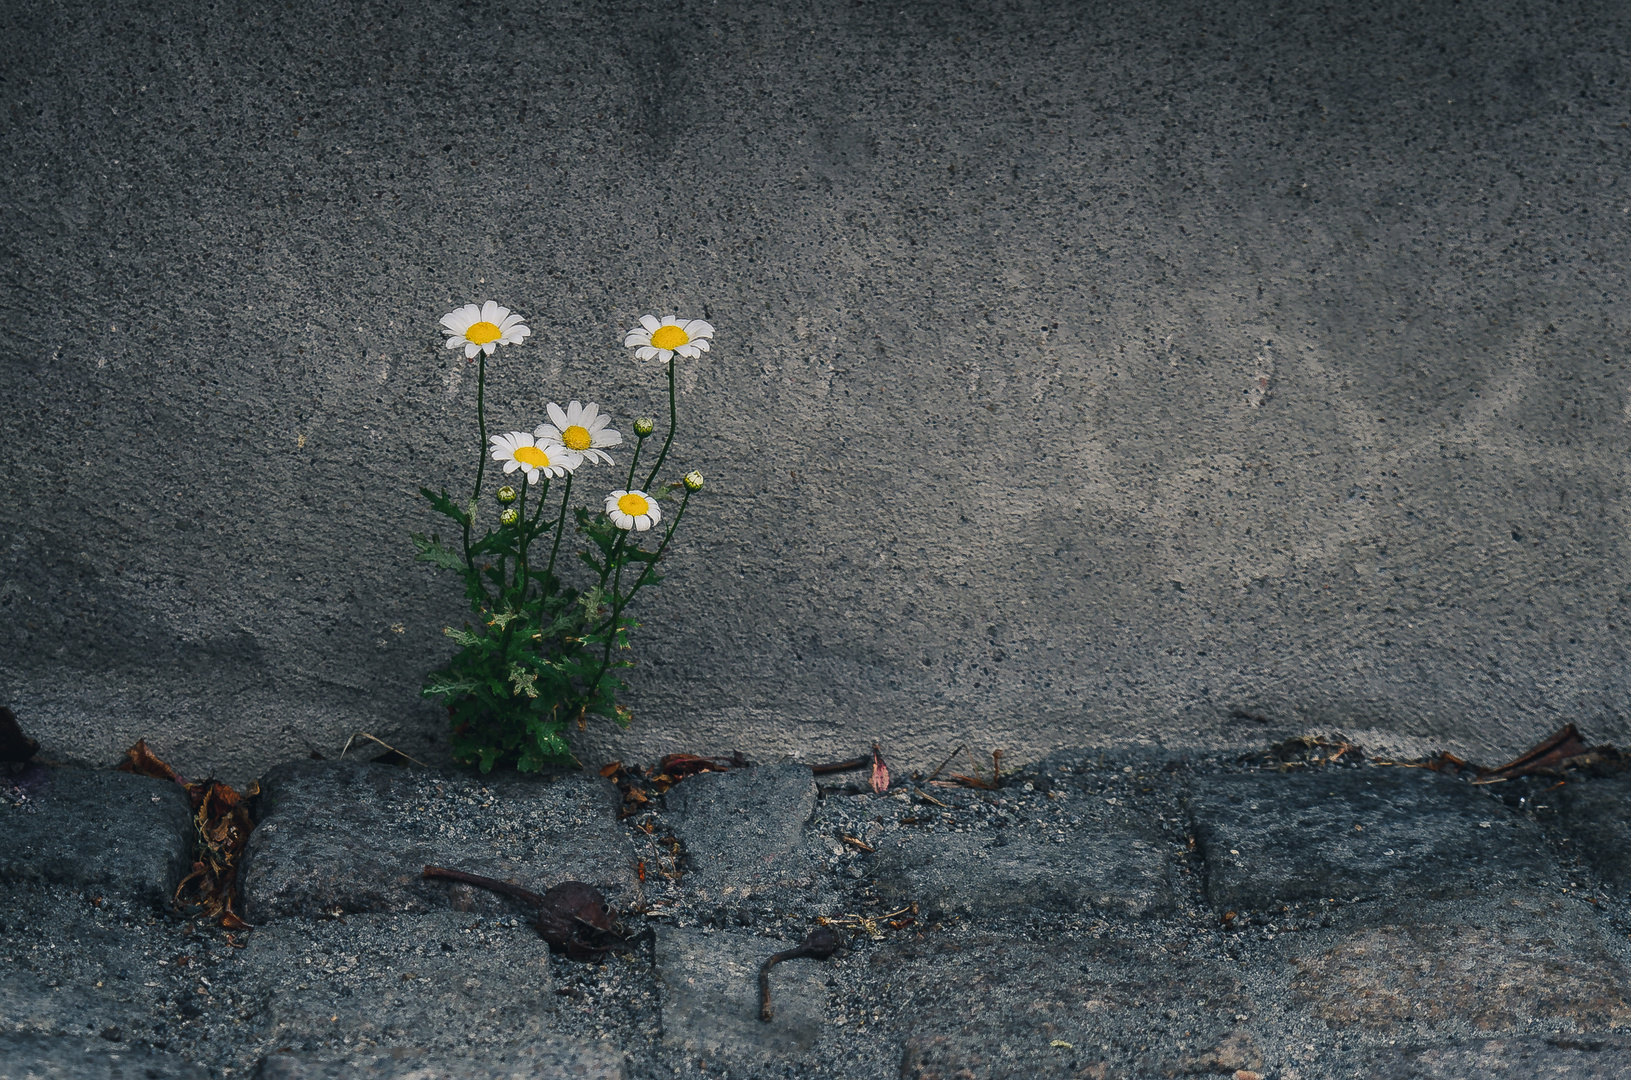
(1085, 372)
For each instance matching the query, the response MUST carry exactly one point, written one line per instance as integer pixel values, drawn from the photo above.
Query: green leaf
(463, 637)
(444, 504)
(525, 682)
(442, 685)
(433, 551)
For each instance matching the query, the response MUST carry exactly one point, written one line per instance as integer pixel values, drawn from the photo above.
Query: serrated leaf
(525, 682)
(440, 686)
(445, 505)
(463, 637)
(433, 551)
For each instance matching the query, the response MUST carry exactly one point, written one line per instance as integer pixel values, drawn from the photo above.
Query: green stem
(621, 602)
(560, 526)
(521, 542)
(481, 463)
(668, 440)
(639, 443)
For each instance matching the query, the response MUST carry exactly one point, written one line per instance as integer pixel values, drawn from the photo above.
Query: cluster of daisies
(578, 433)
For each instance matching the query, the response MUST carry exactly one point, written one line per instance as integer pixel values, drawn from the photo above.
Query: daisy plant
(540, 654)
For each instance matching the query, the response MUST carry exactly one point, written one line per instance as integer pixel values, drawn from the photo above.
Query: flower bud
(506, 494)
(644, 426)
(510, 516)
(693, 481)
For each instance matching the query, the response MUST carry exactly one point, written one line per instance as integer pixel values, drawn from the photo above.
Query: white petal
(665, 355)
(650, 323)
(546, 433)
(559, 416)
(510, 321)
(646, 352)
(636, 337)
(690, 352)
(701, 343)
(489, 311)
(697, 328)
(511, 466)
(454, 342)
(608, 437)
(491, 347)
(587, 417)
(470, 350)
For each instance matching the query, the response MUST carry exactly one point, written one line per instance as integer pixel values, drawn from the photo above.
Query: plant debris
(221, 828)
(1310, 751)
(638, 786)
(818, 944)
(573, 917)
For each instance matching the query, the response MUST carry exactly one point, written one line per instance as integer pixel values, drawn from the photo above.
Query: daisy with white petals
(518, 450)
(633, 510)
(483, 328)
(581, 429)
(656, 339)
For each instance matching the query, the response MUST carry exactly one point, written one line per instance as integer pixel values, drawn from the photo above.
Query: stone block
(1121, 869)
(441, 982)
(743, 830)
(354, 836)
(552, 1058)
(109, 831)
(1596, 815)
(1503, 964)
(1519, 1059)
(994, 1007)
(711, 995)
(64, 1057)
(1270, 838)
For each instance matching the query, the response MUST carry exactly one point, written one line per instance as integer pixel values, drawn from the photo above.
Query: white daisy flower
(483, 328)
(661, 339)
(518, 450)
(581, 429)
(633, 510)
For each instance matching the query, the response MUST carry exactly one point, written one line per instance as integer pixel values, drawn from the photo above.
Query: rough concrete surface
(84, 828)
(1084, 372)
(344, 837)
(557, 1059)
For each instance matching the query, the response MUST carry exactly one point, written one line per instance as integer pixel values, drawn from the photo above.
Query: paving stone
(548, 1059)
(995, 1007)
(354, 836)
(743, 830)
(1498, 964)
(1596, 814)
(107, 830)
(711, 994)
(444, 981)
(62, 1057)
(1270, 838)
(1486, 1059)
(1119, 867)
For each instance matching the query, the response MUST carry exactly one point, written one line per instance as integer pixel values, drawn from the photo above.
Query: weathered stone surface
(354, 837)
(743, 830)
(110, 830)
(1122, 869)
(711, 995)
(1520, 1059)
(1499, 965)
(443, 981)
(1269, 838)
(994, 1007)
(552, 1058)
(63, 1057)
(1596, 814)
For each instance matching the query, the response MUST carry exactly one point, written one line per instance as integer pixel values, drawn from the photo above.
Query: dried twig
(382, 742)
(943, 764)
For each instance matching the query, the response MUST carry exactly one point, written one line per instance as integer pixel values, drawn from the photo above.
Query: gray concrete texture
(1084, 372)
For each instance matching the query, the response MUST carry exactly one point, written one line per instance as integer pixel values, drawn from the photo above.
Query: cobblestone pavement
(1095, 917)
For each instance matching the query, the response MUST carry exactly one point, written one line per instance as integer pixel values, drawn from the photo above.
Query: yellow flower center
(576, 437)
(532, 457)
(483, 332)
(633, 505)
(669, 337)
